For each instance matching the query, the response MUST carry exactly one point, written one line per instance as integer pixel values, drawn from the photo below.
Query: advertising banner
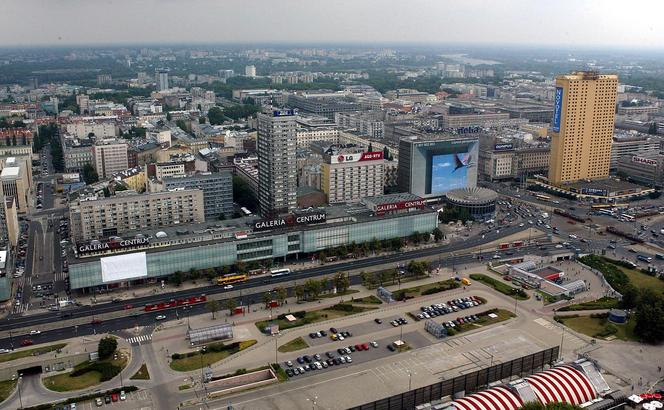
(358, 157)
(644, 161)
(290, 220)
(557, 109)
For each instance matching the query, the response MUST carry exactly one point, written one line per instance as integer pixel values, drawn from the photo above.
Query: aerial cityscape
(368, 206)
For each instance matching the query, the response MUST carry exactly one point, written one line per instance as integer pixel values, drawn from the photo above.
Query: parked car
(160, 317)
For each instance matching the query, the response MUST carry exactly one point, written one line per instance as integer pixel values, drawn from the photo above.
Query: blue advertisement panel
(557, 109)
(449, 171)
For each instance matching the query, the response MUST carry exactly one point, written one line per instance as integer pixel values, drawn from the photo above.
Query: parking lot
(138, 400)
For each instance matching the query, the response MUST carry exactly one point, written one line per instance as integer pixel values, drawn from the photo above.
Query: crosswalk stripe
(139, 339)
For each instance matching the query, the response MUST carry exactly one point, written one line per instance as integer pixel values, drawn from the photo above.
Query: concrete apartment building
(109, 157)
(77, 152)
(95, 217)
(277, 165)
(306, 136)
(351, 174)
(16, 184)
(582, 126)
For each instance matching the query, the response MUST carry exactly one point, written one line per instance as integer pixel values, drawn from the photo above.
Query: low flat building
(647, 170)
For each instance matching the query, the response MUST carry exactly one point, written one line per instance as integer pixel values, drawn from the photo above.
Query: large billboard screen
(557, 109)
(124, 267)
(448, 172)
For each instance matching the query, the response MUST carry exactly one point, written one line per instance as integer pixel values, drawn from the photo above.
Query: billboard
(594, 191)
(290, 220)
(557, 109)
(400, 205)
(452, 170)
(357, 157)
(124, 267)
(97, 246)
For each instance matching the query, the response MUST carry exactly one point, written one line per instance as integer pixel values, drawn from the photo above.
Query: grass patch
(141, 374)
(295, 344)
(368, 300)
(334, 295)
(428, 289)
(86, 374)
(6, 389)
(213, 352)
(602, 303)
(184, 387)
(307, 317)
(499, 286)
(281, 373)
(30, 352)
(546, 298)
(599, 327)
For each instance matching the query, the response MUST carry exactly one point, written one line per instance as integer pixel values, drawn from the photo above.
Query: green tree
(341, 282)
(267, 298)
(368, 279)
(649, 324)
(244, 195)
(230, 305)
(313, 288)
(107, 347)
(176, 278)
(281, 294)
(216, 116)
(652, 129)
(182, 125)
(437, 234)
(370, 149)
(299, 292)
(213, 307)
(201, 120)
(90, 175)
(397, 244)
(169, 117)
(630, 297)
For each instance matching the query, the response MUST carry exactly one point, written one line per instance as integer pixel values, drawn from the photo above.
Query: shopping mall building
(143, 257)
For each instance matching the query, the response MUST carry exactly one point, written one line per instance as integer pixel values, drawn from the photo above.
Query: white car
(228, 287)
(123, 396)
(34, 332)
(160, 317)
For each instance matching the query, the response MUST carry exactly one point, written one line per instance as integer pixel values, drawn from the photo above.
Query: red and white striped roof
(562, 384)
(496, 398)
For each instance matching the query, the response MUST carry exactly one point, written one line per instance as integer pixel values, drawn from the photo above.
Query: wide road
(147, 319)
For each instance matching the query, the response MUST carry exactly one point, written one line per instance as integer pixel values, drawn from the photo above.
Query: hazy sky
(634, 23)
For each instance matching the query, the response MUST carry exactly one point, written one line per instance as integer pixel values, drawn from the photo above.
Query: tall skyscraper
(582, 126)
(162, 80)
(277, 166)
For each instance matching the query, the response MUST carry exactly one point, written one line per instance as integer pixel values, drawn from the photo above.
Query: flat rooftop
(546, 271)
(609, 184)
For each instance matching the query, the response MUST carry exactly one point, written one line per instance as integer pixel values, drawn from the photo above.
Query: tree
(230, 305)
(281, 294)
(169, 117)
(630, 297)
(176, 278)
(649, 325)
(370, 149)
(652, 129)
(397, 244)
(341, 282)
(313, 288)
(244, 195)
(368, 279)
(299, 292)
(437, 234)
(216, 116)
(182, 125)
(213, 307)
(201, 120)
(267, 298)
(90, 175)
(107, 347)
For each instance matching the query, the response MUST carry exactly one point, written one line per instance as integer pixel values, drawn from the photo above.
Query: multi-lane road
(137, 317)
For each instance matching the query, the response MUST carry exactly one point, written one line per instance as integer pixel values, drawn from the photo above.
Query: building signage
(469, 130)
(557, 109)
(360, 156)
(283, 113)
(290, 220)
(594, 191)
(503, 147)
(644, 161)
(400, 205)
(113, 245)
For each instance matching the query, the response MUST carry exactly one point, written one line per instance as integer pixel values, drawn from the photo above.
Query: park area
(207, 355)
(313, 316)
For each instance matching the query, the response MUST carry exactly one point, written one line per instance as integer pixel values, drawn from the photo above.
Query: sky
(613, 23)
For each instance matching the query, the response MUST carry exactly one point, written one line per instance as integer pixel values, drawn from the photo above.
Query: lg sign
(364, 156)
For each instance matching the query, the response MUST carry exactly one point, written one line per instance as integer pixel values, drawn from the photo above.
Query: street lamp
(410, 380)
(20, 398)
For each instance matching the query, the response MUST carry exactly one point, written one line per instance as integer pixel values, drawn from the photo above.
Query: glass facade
(160, 263)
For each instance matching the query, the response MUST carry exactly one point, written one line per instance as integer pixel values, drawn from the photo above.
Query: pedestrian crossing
(61, 276)
(139, 340)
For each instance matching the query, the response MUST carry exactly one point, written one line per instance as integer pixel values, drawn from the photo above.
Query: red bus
(517, 244)
(173, 303)
(503, 246)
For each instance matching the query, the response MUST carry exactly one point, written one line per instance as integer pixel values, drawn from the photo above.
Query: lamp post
(20, 398)
(276, 360)
(410, 380)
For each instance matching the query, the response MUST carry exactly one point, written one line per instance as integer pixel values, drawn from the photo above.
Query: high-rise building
(162, 80)
(277, 165)
(582, 126)
(217, 191)
(250, 71)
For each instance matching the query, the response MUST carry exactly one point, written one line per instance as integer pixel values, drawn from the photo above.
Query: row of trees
(392, 276)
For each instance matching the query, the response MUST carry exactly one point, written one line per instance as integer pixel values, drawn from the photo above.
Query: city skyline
(586, 23)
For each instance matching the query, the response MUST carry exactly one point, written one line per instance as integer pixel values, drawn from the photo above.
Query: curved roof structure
(471, 196)
(562, 384)
(496, 398)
